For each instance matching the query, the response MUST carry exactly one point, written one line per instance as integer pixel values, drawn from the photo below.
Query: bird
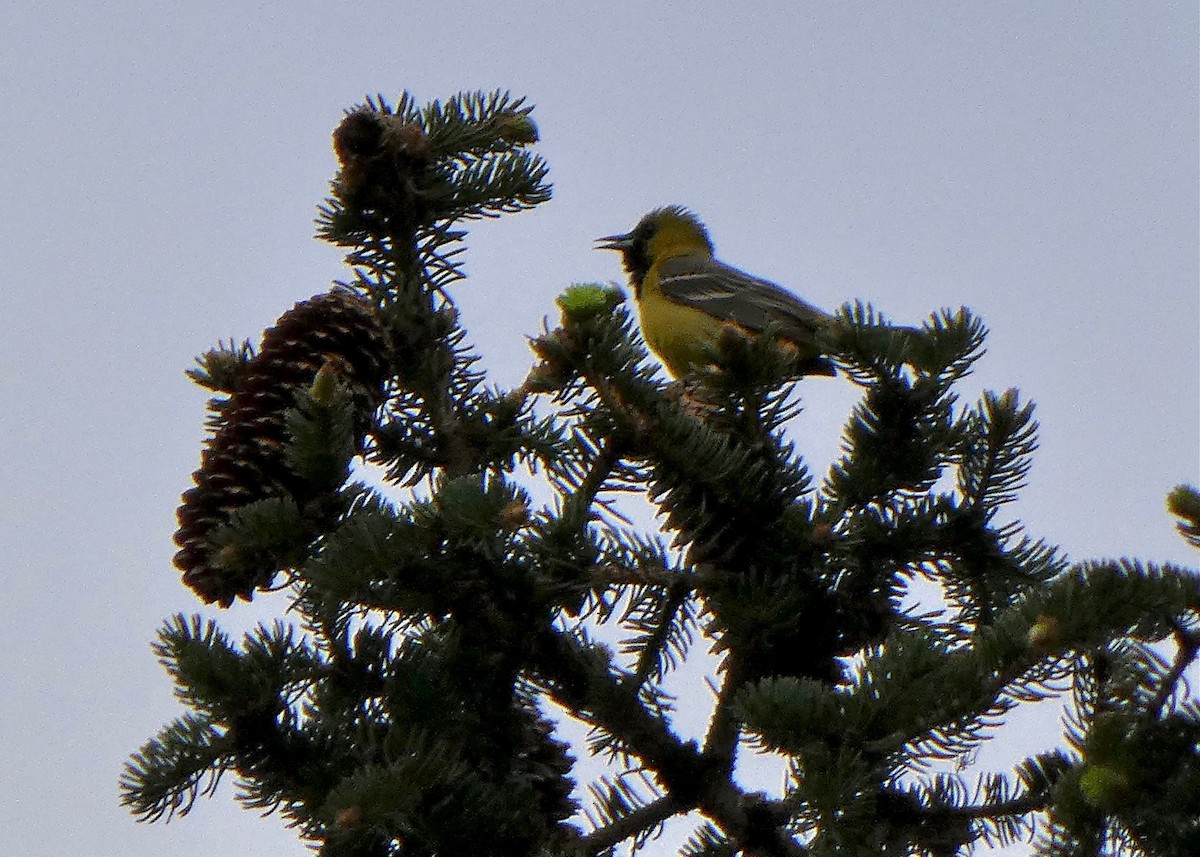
(686, 297)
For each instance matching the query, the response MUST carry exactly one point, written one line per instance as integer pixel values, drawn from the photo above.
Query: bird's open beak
(614, 242)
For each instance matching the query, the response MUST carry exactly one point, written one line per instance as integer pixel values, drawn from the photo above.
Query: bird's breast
(681, 335)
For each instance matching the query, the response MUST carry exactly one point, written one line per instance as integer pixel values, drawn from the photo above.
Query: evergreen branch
(503, 184)
(716, 490)
(580, 680)
(577, 680)
(223, 369)
(1096, 601)
(629, 567)
(950, 344)
(184, 762)
(474, 124)
(894, 444)
(867, 346)
(659, 638)
(938, 704)
(787, 714)
(614, 800)
(1184, 503)
(720, 742)
(707, 841)
(584, 494)
(655, 573)
(980, 566)
(1002, 437)
(1187, 650)
(629, 826)
(931, 814)
(445, 391)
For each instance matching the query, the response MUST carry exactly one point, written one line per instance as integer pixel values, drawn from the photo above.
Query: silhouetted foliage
(401, 703)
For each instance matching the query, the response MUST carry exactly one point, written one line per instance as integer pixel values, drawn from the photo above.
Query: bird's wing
(732, 295)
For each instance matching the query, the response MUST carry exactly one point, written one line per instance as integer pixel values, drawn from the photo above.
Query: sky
(1036, 162)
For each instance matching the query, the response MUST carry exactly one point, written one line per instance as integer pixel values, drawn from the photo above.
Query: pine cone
(243, 461)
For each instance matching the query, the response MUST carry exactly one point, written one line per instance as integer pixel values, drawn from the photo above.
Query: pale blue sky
(1036, 162)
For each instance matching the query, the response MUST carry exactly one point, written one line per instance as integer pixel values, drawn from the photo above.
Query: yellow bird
(685, 296)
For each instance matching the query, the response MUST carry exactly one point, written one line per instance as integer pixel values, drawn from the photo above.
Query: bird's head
(668, 231)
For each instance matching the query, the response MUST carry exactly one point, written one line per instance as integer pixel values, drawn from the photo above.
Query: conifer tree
(401, 703)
